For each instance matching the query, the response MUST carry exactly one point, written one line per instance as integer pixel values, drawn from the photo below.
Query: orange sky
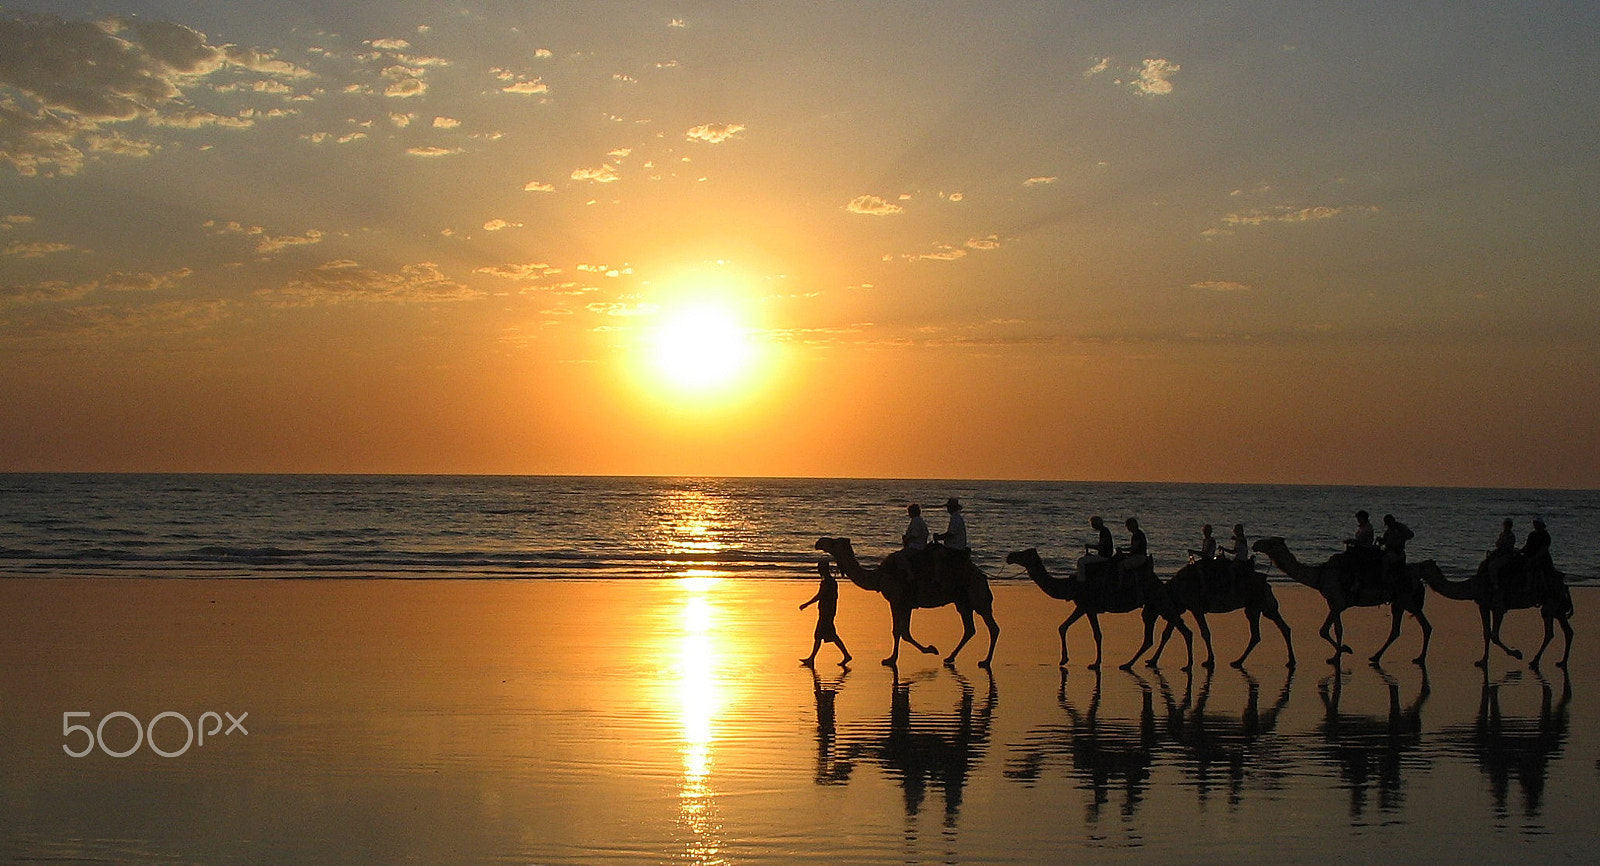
(1060, 241)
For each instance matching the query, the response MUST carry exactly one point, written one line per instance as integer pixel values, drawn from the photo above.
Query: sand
(668, 720)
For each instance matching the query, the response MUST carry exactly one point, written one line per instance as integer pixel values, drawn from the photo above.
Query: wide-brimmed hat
(953, 504)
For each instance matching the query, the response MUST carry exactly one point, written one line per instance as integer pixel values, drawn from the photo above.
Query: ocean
(347, 526)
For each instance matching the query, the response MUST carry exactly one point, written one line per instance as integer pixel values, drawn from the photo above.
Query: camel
(1402, 596)
(958, 582)
(1147, 594)
(1553, 601)
(1252, 594)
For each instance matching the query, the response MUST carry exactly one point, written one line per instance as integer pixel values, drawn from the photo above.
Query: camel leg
(1076, 613)
(1395, 617)
(1492, 635)
(1205, 634)
(1283, 626)
(1337, 638)
(925, 649)
(967, 631)
(1188, 640)
(994, 636)
(1254, 616)
(1149, 639)
(1094, 625)
(1549, 634)
(1427, 635)
(1166, 635)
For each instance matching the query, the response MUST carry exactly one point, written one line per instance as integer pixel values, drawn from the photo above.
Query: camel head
(830, 545)
(1024, 558)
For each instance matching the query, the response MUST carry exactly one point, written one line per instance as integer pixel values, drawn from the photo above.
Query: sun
(702, 348)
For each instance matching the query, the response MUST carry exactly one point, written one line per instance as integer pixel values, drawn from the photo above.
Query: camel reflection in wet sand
(1103, 754)
(917, 748)
(1238, 747)
(1372, 750)
(1507, 747)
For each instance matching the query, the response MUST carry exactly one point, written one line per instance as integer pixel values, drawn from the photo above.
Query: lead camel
(955, 581)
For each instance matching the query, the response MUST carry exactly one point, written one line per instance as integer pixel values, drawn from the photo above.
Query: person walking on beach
(827, 602)
(954, 537)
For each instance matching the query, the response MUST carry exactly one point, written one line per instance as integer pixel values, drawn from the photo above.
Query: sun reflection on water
(701, 696)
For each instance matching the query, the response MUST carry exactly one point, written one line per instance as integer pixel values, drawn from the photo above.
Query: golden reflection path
(701, 696)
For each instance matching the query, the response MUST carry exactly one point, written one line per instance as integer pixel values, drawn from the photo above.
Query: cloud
(519, 272)
(389, 44)
(621, 308)
(1155, 79)
(872, 205)
(404, 82)
(433, 151)
(106, 320)
(1224, 286)
(531, 87)
(987, 242)
(35, 249)
(538, 186)
(445, 123)
(714, 133)
(269, 245)
(1041, 181)
(944, 253)
(60, 290)
(61, 81)
(603, 174)
(495, 225)
(344, 281)
(1100, 64)
(142, 282)
(1286, 214)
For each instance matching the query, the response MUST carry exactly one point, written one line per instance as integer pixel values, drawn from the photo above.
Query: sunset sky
(1218, 242)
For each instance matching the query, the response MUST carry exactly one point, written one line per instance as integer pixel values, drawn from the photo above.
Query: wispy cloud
(35, 249)
(1042, 180)
(74, 77)
(714, 133)
(1155, 77)
(1286, 214)
(1224, 286)
(603, 174)
(872, 205)
(345, 281)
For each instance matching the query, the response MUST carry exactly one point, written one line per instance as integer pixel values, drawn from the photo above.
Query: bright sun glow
(702, 348)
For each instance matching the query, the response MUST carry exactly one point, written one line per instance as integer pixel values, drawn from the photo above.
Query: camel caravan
(1372, 571)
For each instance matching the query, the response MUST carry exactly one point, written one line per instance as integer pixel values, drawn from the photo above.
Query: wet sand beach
(669, 721)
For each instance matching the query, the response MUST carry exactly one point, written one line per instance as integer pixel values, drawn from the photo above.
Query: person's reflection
(918, 748)
(1227, 747)
(1516, 747)
(1101, 753)
(1371, 750)
(832, 769)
